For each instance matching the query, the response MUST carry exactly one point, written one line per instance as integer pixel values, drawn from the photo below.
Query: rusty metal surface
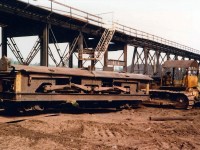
(80, 72)
(60, 87)
(79, 97)
(116, 62)
(4, 64)
(35, 86)
(107, 74)
(53, 70)
(180, 64)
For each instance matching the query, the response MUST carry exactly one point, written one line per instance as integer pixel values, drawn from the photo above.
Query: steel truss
(148, 61)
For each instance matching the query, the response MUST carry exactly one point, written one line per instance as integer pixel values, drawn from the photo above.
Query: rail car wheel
(38, 108)
(181, 102)
(33, 108)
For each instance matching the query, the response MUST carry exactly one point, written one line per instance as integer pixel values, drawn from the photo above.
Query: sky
(175, 20)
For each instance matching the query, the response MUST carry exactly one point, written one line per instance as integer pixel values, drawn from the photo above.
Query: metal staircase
(102, 46)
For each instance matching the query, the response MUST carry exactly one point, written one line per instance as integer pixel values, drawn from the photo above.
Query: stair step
(102, 45)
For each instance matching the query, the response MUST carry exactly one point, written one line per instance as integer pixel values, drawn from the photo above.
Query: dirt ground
(101, 130)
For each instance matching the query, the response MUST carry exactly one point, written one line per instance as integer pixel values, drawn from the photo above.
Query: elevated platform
(22, 19)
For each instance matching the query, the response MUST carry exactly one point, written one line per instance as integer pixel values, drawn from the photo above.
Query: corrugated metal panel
(180, 64)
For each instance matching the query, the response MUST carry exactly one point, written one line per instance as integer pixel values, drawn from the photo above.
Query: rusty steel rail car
(36, 86)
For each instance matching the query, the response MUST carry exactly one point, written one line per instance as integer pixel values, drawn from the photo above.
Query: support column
(157, 62)
(71, 59)
(146, 54)
(80, 52)
(4, 42)
(133, 60)
(92, 62)
(44, 38)
(106, 59)
(168, 56)
(125, 58)
(176, 57)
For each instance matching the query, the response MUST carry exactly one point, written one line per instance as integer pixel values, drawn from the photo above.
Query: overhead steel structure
(86, 34)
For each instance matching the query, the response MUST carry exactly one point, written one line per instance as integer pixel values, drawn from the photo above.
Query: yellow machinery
(179, 82)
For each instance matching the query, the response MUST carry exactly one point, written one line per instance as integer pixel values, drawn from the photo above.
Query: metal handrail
(97, 20)
(74, 13)
(71, 12)
(144, 35)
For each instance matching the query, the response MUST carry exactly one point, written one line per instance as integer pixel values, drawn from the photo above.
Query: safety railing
(69, 11)
(143, 35)
(97, 20)
(77, 13)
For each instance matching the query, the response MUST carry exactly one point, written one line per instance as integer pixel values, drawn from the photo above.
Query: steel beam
(116, 62)
(168, 56)
(146, 53)
(80, 51)
(44, 38)
(157, 70)
(125, 58)
(32, 18)
(92, 62)
(106, 59)
(4, 42)
(133, 60)
(71, 59)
